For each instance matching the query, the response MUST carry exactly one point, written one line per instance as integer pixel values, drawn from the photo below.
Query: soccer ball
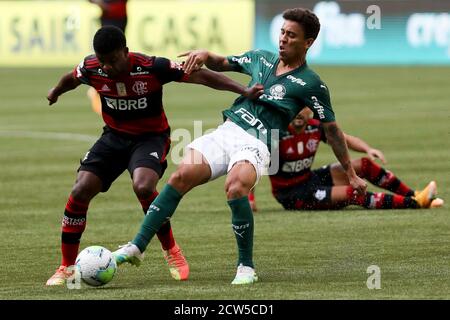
(96, 265)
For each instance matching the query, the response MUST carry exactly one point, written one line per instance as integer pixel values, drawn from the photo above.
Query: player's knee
(143, 190)
(357, 164)
(364, 161)
(363, 166)
(236, 189)
(82, 192)
(181, 180)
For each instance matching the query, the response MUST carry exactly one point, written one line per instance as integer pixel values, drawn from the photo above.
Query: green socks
(158, 213)
(165, 205)
(242, 223)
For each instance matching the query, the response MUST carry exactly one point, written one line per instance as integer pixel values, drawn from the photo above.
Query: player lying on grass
(239, 148)
(297, 187)
(136, 136)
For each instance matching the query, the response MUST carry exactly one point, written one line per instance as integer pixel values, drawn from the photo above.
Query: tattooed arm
(336, 139)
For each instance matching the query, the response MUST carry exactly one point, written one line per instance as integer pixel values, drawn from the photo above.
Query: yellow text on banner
(50, 33)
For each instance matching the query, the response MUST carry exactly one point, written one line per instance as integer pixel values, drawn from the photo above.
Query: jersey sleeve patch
(243, 63)
(318, 100)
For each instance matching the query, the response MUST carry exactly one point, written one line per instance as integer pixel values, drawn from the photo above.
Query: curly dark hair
(108, 39)
(306, 18)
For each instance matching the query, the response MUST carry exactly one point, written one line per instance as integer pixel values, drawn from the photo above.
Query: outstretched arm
(336, 139)
(66, 83)
(219, 81)
(197, 58)
(359, 145)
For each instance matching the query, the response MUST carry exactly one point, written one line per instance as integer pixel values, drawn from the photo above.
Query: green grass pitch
(404, 111)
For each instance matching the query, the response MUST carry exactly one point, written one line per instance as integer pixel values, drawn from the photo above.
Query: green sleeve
(318, 100)
(243, 63)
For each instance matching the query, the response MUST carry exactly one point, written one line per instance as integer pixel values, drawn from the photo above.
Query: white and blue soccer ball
(96, 265)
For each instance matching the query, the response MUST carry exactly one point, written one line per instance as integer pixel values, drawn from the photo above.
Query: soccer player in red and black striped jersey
(297, 187)
(136, 136)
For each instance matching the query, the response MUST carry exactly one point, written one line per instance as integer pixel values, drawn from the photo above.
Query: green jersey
(284, 95)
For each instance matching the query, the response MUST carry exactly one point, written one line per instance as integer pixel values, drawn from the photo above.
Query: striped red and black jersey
(115, 9)
(132, 103)
(296, 154)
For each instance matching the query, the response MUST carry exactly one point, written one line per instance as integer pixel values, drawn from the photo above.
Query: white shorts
(229, 144)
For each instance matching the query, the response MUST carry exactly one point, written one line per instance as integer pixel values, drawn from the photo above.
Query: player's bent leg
(380, 200)
(74, 223)
(144, 182)
(194, 170)
(383, 178)
(340, 195)
(187, 176)
(240, 180)
(338, 174)
(371, 171)
(87, 186)
(144, 185)
(361, 168)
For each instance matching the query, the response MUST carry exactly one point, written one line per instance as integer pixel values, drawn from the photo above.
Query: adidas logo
(105, 88)
(154, 154)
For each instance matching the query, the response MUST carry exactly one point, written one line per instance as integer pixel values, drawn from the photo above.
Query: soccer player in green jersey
(240, 146)
(297, 187)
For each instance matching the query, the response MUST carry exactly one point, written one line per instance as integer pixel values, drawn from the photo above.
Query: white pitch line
(49, 135)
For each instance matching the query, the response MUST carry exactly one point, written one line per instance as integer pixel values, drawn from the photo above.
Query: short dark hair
(108, 39)
(306, 18)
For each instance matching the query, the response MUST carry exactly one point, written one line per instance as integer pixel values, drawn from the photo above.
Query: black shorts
(309, 195)
(114, 152)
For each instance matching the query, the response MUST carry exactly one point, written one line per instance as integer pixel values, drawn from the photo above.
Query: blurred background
(387, 64)
(58, 32)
